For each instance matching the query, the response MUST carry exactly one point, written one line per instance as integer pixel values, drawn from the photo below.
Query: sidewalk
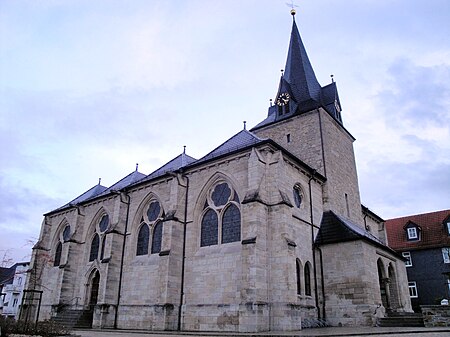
(320, 332)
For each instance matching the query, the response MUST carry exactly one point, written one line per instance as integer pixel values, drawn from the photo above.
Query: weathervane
(292, 7)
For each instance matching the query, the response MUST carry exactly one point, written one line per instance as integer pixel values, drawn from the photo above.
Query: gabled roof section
(132, 178)
(335, 228)
(176, 163)
(298, 70)
(433, 231)
(239, 141)
(89, 194)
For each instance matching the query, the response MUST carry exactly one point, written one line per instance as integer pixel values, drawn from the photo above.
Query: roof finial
(137, 166)
(184, 149)
(282, 72)
(270, 100)
(245, 125)
(332, 78)
(292, 8)
(99, 180)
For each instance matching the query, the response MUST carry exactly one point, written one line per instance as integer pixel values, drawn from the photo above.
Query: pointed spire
(298, 72)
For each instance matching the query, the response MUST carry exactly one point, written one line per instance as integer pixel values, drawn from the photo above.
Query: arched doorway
(93, 285)
(383, 281)
(393, 290)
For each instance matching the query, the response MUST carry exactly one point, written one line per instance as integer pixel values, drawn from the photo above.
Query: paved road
(330, 332)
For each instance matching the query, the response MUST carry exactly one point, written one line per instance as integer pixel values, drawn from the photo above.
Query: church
(264, 233)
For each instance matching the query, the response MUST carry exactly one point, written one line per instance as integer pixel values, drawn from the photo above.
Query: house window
(15, 302)
(412, 233)
(448, 227)
(407, 256)
(19, 281)
(307, 280)
(221, 217)
(446, 254)
(412, 289)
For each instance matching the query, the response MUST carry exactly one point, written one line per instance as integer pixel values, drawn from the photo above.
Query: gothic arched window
(298, 195)
(209, 228)
(221, 207)
(57, 259)
(157, 237)
(142, 242)
(150, 221)
(298, 269)
(95, 243)
(231, 224)
(307, 279)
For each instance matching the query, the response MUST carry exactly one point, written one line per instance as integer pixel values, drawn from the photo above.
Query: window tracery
(221, 216)
(151, 224)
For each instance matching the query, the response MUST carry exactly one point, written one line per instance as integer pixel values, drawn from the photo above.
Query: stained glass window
(153, 211)
(104, 223)
(221, 194)
(298, 196)
(142, 241)
(66, 233)
(209, 230)
(58, 251)
(157, 237)
(94, 248)
(231, 224)
(298, 269)
(307, 280)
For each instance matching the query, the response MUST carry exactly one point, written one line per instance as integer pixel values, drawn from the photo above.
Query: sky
(90, 88)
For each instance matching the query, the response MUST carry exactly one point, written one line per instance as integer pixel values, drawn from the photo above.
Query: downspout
(316, 293)
(324, 316)
(122, 257)
(184, 248)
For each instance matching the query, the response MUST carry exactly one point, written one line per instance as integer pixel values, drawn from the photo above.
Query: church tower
(306, 119)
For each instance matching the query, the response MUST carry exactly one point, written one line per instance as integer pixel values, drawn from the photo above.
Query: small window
(57, 259)
(157, 237)
(298, 195)
(412, 233)
(15, 302)
(102, 251)
(407, 256)
(307, 280)
(448, 227)
(288, 137)
(446, 254)
(93, 254)
(412, 289)
(19, 281)
(298, 270)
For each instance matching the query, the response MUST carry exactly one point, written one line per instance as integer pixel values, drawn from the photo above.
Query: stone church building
(264, 233)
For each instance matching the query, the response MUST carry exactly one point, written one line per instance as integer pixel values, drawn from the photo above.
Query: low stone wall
(436, 315)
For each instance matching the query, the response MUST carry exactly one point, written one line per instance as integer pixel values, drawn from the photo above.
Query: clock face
(283, 99)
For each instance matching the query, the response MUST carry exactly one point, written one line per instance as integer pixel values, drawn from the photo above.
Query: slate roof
(7, 275)
(124, 182)
(433, 232)
(176, 163)
(300, 81)
(89, 194)
(238, 142)
(335, 228)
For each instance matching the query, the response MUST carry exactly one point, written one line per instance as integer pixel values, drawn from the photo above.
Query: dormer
(446, 224)
(413, 231)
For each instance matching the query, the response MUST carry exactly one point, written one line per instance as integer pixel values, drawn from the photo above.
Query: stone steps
(401, 320)
(74, 318)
